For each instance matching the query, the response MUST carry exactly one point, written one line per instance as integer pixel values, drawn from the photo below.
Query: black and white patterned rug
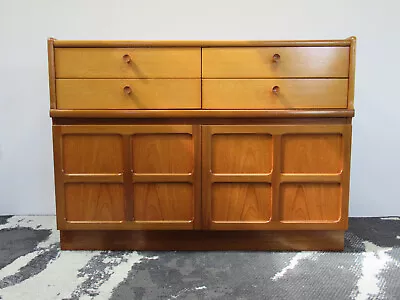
(33, 267)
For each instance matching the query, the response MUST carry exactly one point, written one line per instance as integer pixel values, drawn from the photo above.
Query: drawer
(274, 62)
(128, 62)
(274, 93)
(128, 93)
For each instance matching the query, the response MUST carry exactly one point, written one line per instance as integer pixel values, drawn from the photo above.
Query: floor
(33, 267)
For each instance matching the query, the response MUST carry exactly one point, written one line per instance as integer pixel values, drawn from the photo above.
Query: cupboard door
(166, 176)
(127, 176)
(275, 176)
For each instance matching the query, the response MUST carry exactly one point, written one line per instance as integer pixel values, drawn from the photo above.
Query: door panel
(261, 177)
(312, 153)
(163, 202)
(127, 176)
(85, 153)
(94, 202)
(241, 153)
(162, 153)
(310, 202)
(241, 202)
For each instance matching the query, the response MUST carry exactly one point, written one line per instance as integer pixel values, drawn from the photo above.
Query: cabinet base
(202, 240)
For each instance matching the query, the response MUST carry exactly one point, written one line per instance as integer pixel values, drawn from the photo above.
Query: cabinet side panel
(352, 73)
(52, 73)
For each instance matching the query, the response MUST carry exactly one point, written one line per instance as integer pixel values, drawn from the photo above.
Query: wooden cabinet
(202, 145)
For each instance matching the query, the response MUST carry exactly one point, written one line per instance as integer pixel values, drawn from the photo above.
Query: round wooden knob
(276, 89)
(276, 57)
(127, 90)
(127, 58)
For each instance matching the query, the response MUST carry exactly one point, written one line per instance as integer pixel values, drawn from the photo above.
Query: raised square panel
(162, 153)
(312, 153)
(241, 153)
(241, 202)
(94, 202)
(310, 202)
(163, 202)
(92, 153)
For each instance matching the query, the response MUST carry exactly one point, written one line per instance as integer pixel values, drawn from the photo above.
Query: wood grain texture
(94, 202)
(352, 72)
(313, 150)
(295, 240)
(312, 153)
(240, 177)
(163, 202)
(145, 63)
(241, 153)
(258, 93)
(347, 139)
(127, 176)
(206, 174)
(52, 73)
(93, 177)
(163, 153)
(191, 115)
(85, 153)
(58, 176)
(238, 196)
(193, 43)
(197, 186)
(258, 62)
(310, 202)
(124, 129)
(146, 94)
(241, 202)
(154, 177)
(307, 177)
(128, 225)
(276, 174)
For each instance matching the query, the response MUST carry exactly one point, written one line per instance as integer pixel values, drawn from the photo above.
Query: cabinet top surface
(196, 43)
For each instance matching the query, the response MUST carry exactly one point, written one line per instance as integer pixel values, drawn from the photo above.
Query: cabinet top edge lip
(199, 43)
(162, 114)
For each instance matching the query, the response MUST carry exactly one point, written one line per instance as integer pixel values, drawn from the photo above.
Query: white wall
(26, 176)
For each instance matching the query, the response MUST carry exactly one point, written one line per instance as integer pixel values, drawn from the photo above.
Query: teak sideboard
(202, 145)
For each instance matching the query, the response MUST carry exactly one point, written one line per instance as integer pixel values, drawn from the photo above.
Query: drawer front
(274, 62)
(128, 93)
(128, 63)
(274, 93)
